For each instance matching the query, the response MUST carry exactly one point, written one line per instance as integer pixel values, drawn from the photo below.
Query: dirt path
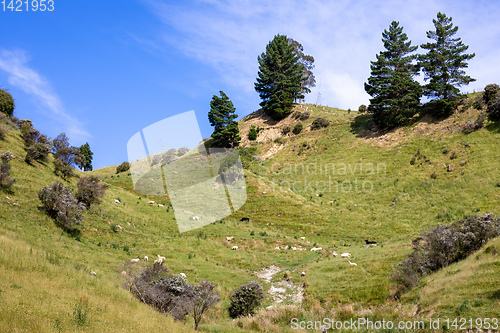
(281, 291)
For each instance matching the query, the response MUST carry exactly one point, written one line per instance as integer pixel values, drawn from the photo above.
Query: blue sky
(101, 71)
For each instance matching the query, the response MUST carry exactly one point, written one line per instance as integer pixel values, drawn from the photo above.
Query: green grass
(403, 200)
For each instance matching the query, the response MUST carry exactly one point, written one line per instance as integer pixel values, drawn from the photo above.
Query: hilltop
(334, 186)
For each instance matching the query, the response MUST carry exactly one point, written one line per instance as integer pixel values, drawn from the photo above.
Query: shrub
(61, 205)
(444, 245)
(38, 152)
(90, 190)
(28, 133)
(125, 166)
(297, 128)
(320, 122)
(362, 108)
(305, 115)
(440, 107)
(490, 93)
(493, 110)
(286, 130)
(253, 132)
(6, 180)
(246, 299)
(62, 169)
(7, 104)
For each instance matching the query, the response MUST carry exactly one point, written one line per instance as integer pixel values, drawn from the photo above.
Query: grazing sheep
(234, 248)
(124, 273)
(345, 255)
(195, 218)
(160, 205)
(183, 275)
(303, 274)
(93, 273)
(303, 238)
(146, 258)
(229, 238)
(158, 261)
(352, 263)
(330, 202)
(135, 260)
(117, 201)
(151, 202)
(334, 253)
(277, 248)
(316, 248)
(245, 219)
(369, 242)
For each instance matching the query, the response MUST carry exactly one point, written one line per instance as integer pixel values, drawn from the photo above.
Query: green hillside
(332, 188)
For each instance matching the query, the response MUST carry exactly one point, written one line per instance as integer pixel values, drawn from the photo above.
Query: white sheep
(234, 248)
(303, 274)
(345, 255)
(124, 273)
(316, 248)
(158, 261)
(183, 275)
(117, 201)
(93, 273)
(151, 202)
(303, 238)
(229, 238)
(352, 263)
(146, 258)
(334, 253)
(135, 260)
(195, 218)
(160, 205)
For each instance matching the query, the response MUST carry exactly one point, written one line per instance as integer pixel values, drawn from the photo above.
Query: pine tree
(279, 78)
(87, 156)
(444, 62)
(307, 63)
(395, 93)
(221, 116)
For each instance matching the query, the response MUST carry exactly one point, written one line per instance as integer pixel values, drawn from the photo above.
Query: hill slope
(334, 186)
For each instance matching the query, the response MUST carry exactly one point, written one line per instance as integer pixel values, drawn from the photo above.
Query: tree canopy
(307, 62)
(221, 116)
(279, 78)
(87, 156)
(445, 60)
(7, 104)
(395, 94)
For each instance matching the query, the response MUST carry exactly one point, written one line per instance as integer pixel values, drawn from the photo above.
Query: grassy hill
(334, 186)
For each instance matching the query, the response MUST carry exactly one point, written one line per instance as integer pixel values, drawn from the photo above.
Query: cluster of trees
(172, 294)
(285, 75)
(395, 93)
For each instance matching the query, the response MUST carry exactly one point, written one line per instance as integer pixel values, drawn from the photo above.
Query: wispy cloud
(343, 36)
(20, 75)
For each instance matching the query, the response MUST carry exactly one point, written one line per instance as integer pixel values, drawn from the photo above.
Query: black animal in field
(369, 242)
(245, 219)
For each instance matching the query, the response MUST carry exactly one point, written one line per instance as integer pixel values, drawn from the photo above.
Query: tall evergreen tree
(221, 116)
(395, 93)
(444, 61)
(307, 63)
(87, 156)
(279, 77)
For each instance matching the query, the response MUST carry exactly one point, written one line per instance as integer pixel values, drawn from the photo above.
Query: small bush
(490, 93)
(7, 104)
(305, 115)
(254, 132)
(60, 204)
(62, 169)
(125, 166)
(362, 108)
(37, 152)
(320, 123)
(6, 180)
(90, 190)
(286, 130)
(81, 312)
(493, 110)
(246, 299)
(297, 128)
(444, 245)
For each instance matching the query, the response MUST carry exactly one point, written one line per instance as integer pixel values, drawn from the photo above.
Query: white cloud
(20, 75)
(343, 36)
